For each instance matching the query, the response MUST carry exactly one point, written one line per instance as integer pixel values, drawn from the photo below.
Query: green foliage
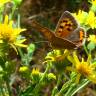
(26, 58)
(17, 2)
(91, 46)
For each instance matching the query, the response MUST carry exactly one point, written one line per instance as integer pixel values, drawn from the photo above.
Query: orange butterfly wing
(68, 28)
(56, 42)
(66, 25)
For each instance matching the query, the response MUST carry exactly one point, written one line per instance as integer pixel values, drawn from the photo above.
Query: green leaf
(74, 88)
(31, 49)
(93, 8)
(91, 46)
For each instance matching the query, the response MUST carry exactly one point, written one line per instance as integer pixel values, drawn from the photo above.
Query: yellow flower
(83, 68)
(80, 16)
(93, 2)
(92, 38)
(35, 71)
(9, 35)
(51, 76)
(23, 69)
(2, 2)
(91, 20)
(56, 56)
(86, 19)
(52, 55)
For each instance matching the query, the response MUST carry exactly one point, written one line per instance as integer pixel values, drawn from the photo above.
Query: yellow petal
(18, 30)
(20, 41)
(6, 19)
(20, 45)
(71, 59)
(75, 58)
(1, 41)
(78, 78)
(14, 48)
(11, 23)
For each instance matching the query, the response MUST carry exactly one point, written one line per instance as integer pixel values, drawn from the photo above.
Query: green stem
(84, 41)
(20, 52)
(82, 86)
(55, 89)
(38, 86)
(2, 92)
(64, 88)
(59, 80)
(13, 10)
(70, 88)
(8, 87)
(6, 79)
(85, 49)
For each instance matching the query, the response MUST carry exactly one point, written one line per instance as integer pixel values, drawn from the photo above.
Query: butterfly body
(66, 35)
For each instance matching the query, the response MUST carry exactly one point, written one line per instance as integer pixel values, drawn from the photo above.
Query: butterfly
(68, 34)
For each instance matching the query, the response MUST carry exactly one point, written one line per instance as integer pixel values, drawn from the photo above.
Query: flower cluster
(56, 56)
(86, 19)
(83, 68)
(9, 34)
(2, 2)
